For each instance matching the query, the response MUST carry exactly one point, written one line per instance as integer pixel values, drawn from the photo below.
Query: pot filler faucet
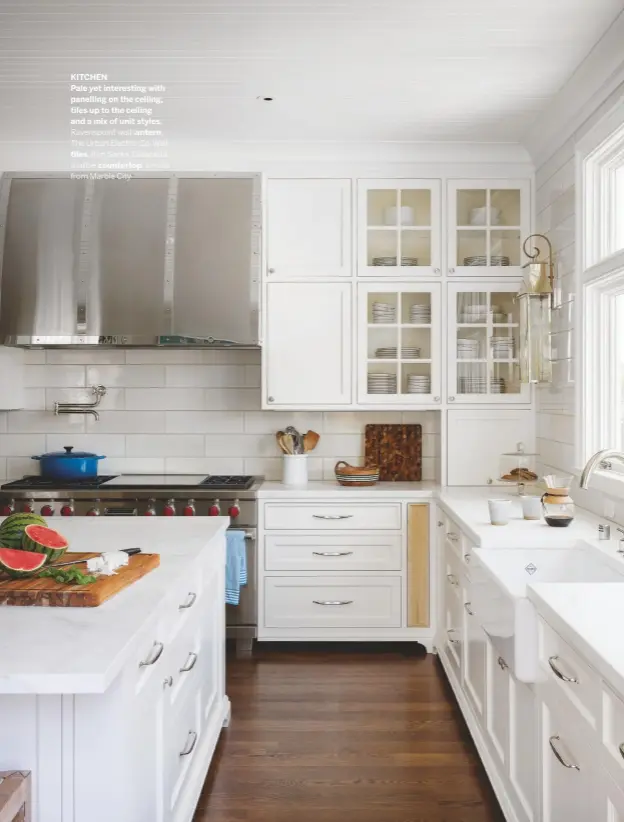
(599, 459)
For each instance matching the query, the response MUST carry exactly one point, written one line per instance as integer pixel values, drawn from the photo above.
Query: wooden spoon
(278, 437)
(287, 443)
(310, 441)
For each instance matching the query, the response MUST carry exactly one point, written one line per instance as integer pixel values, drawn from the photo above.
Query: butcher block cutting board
(396, 449)
(45, 591)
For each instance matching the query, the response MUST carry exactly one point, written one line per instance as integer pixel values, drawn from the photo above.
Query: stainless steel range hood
(169, 260)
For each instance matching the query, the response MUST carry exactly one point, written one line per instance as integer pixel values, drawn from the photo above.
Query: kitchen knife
(130, 551)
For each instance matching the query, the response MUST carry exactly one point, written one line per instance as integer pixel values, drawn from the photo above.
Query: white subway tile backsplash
(22, 445)
(164, 445)
(232, 399)
(107, 445)
(17, 467)
(157, 356)
(33, 356)
(54, 376)
(204, 465)
(340, 444)
(206, 376)
(127, 422)
(4, 421)
(354, 422)
(241, 445)
(3, 469)
(132, 465)
(35, 399)
(253, 376)
(114, 398)
(127, 376)
(164, 399)
(223, 356)
(204, 422)
(44, 422)
(268, 422)
(87, 356)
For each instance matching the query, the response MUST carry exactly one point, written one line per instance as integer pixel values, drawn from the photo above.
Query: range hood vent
(168, 260)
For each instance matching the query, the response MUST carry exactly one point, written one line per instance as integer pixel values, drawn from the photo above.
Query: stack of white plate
(472, 385)
(503, 348)
(410, 352)
(420, 314)
(382, 384)
(389, 353)
(473, 313)
(393, 261)
(384, 313)
(417, 384)
(481, 259)
(467, 349)
(497, 385)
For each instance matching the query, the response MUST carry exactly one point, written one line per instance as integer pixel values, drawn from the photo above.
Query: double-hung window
(601, 291)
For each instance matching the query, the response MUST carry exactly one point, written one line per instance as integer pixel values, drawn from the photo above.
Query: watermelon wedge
(43, 540)
(17, 563)
(12, 528)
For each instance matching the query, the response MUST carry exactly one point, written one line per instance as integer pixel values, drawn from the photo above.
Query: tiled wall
(178, 411)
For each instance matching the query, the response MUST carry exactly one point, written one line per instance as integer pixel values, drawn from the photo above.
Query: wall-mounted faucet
(599, 459)
(82, 407)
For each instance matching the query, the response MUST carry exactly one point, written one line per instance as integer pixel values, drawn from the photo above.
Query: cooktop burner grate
(235, 482)
(38, 483)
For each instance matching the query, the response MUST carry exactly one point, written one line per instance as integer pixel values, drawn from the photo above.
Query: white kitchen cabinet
(611, 801)
(475, 653)
(497, 704)
(403, 343)
(308, 228)
(487, 222)
(523, 744)
(477, 438)
(483, 343)
(399, 228)
(307, 349)
(11, 378)
(453, 636)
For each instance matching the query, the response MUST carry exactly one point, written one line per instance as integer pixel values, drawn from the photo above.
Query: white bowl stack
(473, 313)
(503, 348)
(418, 384)
(467, 349)
(420, 314)
(382, 383)
(384, 313)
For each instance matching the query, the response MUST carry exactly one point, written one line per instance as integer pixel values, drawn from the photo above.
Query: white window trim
(599, 282)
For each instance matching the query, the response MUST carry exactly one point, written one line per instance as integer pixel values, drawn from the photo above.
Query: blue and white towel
(235, 566)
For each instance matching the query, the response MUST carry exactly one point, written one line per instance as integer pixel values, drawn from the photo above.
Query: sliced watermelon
(44, 540)
(12, 528)
(17, 563)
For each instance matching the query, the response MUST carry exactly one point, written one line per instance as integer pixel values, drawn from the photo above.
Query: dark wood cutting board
(45, 591)
(396, 449)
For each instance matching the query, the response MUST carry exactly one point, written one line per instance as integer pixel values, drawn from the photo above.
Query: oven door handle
(250, 533)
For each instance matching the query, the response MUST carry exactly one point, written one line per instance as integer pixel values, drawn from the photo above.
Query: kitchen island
(117, 710)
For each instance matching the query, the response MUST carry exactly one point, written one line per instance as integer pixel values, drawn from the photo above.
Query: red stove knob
(29, 507)
(150, 511)
(47, 511)
(95, 511)
(215, 509)
(189, 508)
(169, 510)
(7, 508)
(68, 509)
(234, 510)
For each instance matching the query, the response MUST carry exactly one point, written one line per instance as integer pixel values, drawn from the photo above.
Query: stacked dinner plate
(503, 348)
(388, 353)
(417, 384)
(497, 385)
(467, 349)
(382, 383)
(481, 259)
(410, 352)
(393, 261)
(352, 475)
(420, 314)
(478, 385)
(384, 313)
(473, 313)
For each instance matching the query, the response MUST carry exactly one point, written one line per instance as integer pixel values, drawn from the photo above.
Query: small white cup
(500, 511)
(531, 507)
(295, 469)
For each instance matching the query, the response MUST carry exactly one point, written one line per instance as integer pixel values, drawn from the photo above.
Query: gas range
(136, 495)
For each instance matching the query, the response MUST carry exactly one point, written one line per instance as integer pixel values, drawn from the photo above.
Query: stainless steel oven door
(242, 619)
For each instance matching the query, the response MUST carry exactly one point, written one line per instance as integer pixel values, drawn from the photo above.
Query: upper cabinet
(487, 222)
(399, 228)
(309, 230)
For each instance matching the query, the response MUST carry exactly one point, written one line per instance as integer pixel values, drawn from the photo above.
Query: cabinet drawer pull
(154, 656)
(468, 609)
(332, 516)
(452, 579)
(450, 638)
(467, 557)
(560, 758)
(190, 663)
(502, 664)
(188, 748)
(192, 596)
(559, 674)
(452, 536)
(332, 553)
(168, 682)
(332, 601)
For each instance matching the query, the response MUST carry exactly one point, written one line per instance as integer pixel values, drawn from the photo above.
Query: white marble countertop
(81, 650)
(329, 489)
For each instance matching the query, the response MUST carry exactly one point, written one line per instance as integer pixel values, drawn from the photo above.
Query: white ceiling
(354, 70)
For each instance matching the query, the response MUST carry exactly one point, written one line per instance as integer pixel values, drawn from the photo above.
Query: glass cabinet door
(398, 227)
(487, 225)
(399, 344)
(483, 344)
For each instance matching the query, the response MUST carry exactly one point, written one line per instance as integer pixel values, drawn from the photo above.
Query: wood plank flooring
(344, 735)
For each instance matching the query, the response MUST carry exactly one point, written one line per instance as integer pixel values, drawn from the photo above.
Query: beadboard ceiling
(338, 70)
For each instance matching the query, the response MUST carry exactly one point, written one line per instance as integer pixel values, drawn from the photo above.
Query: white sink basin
(498, 593)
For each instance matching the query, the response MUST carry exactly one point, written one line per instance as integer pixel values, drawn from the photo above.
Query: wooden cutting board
(45, 591)
(396, 449)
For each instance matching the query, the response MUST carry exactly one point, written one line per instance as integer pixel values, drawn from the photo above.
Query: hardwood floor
(335, 735)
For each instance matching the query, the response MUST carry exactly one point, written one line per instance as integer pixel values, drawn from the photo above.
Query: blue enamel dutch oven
(69, 464)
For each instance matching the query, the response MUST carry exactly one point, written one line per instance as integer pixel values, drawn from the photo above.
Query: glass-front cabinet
(483, 340)
(399, 344)
(399, 228)
(487, 223)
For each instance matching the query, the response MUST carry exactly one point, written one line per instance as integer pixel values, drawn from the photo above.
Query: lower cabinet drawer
(325, 516)
(181, 740)
(332, 602)
(340, 552)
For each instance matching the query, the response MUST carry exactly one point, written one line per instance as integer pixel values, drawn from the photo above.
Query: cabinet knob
(451, 270)
(451, 399)
(271, 271)
(270, 399)
(436, 270)
(436, 399)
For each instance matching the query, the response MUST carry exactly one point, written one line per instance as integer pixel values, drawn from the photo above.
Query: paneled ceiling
(354, 70)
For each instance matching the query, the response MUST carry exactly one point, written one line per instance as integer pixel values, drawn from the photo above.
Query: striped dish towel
(235, 566)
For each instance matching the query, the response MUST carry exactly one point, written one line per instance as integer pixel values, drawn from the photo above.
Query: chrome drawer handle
(332, 601)
(452, 579)
(332, 553)
(450, 638)
(452, 537)
(188, 748)
(467, 608)
(332, 516)
(502, 664)
(189, 602)
(621, 749)
(560, 758)
(558, 673)
(154, 656)
(467, 557)
(190, 663)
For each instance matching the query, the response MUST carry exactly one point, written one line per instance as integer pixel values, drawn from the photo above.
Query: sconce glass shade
(535, 352)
